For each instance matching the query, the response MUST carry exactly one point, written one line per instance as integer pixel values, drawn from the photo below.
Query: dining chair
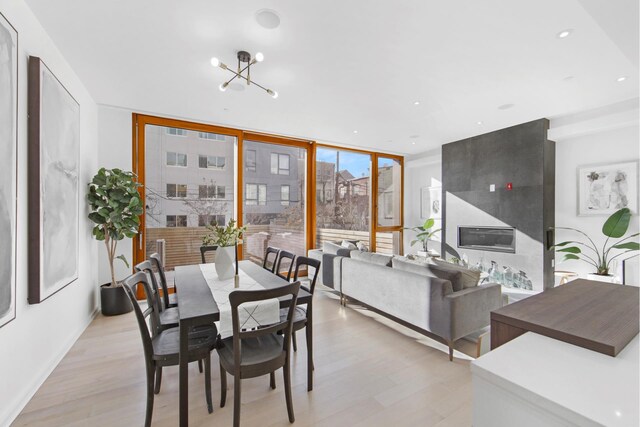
(285, 255)
(262, 351)
(301, 315)
(204, 249)
(161, 347)
(265, 262)
(170, 300)
(168, 317)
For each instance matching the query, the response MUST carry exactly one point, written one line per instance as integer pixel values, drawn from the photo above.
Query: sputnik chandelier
(243, 58)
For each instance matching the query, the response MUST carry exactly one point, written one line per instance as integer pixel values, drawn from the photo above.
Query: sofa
(435, 298)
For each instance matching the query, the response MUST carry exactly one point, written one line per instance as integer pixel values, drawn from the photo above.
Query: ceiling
(344, 66)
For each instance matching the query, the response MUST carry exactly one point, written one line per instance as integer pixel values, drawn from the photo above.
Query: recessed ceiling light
(564, 33)
(505, 106)
(621, 78)
(413, 143)
(416, 102)
(355, 131)
(479, 123)
(268, 18)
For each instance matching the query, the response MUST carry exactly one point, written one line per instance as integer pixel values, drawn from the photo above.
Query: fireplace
(497, 239)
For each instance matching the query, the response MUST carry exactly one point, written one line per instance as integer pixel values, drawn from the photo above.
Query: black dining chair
(170, 300)
(161, 347)
(301, 316)
(168, 316)
(204, 249)
(265, 262)
(262, 351)
(285, 255)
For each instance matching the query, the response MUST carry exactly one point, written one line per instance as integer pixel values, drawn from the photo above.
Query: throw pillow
(362, 247)
(470, 278)
(430, 270)
(333, 249)
(348, 245)
(372, 257)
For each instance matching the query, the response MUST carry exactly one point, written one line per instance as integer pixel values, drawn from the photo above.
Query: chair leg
(236, 400)
(207, 382)
(158, 379)
(287, 390)
(200, 366)
(309, 360)
(150, 394)
(295, 342)
(223, 386)
(450, 351)
(272, 380)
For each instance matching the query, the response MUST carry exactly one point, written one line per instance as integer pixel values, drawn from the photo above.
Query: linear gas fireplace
(497, 239)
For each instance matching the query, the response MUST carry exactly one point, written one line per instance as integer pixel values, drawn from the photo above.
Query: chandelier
(244, 71)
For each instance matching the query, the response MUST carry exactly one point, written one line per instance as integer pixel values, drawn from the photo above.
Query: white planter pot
(225, 260)
(609, 279)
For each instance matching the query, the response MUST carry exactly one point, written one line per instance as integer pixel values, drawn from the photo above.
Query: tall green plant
(615, 227)
(223, 236)
(424, 233)
(116, 207)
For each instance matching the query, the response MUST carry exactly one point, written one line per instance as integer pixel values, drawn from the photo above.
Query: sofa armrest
(470, 308)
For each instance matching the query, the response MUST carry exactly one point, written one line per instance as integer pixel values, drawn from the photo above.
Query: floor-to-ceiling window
(389, 204)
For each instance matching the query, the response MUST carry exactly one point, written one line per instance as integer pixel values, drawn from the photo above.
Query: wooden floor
(369, 372)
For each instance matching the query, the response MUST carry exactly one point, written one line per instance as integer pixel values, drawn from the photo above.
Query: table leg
(309, 329)
(184, 378)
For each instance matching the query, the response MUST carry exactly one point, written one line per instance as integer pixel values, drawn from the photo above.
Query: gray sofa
(411, 294)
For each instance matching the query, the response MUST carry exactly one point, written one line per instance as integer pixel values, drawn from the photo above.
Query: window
(204, 220)
(284, 195)
(212, 136)
(256, 194)
(279, 164)
(176, 220)
(176, 131)
(177, 190)
(211, 162)
(211, 191)
(176, 159)
(250, 160)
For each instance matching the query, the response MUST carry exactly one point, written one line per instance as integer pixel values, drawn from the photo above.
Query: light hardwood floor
(369, 372)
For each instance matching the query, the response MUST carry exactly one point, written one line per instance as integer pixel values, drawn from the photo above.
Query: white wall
(33, 344)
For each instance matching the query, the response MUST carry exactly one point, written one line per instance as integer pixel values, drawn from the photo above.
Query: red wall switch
(509, 186)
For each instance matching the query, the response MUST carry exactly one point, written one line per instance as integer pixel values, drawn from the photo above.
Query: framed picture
(8, 168)
(604, 189)
(431, 202)
(54, 153)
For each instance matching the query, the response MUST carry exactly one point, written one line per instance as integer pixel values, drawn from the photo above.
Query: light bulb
(215, 62)
(273, 93)
(223, 86)
(259, 57)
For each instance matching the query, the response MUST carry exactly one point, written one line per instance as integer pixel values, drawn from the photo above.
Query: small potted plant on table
(115, 208)
(226, 239)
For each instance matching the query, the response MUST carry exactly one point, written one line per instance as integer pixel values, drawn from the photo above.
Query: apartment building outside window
(211, 192)
(177, 190)
(204, 220)
(176, 159)
(211, 136)
(176, 220)
(250, 160)
(284, 195)
(279, 164)
(211, 162)
(176, 131)
(256, 194)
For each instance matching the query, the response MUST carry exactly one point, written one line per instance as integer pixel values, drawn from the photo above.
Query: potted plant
(115, 208)
(226, 239)
(424, 235)
(615, 227)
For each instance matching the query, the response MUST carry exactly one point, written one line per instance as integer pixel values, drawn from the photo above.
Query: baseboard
(37, 383)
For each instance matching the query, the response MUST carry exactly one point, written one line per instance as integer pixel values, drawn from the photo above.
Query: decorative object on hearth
(115, 207)
(226, 239)
(8, 167)
(245, 61)
(425, 233)
(615, 227)
(431, 202)
(54, 193)
(604, 189)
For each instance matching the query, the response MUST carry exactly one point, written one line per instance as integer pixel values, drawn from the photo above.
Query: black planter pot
(114, 301)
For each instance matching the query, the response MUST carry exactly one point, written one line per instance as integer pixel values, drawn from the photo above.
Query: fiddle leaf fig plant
(424, 233)
(115, 208)
(615, 227)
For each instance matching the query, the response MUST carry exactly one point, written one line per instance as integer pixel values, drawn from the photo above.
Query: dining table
(197, 306)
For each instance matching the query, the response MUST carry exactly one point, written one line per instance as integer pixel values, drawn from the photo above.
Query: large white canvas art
(8, 149)
(54, 157)
(604, 189)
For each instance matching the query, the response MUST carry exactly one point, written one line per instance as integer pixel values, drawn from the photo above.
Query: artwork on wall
(8, 168)
(431, 202)
(604, 189)
(54, 152)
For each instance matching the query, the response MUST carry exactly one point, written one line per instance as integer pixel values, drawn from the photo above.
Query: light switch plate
(492, 187)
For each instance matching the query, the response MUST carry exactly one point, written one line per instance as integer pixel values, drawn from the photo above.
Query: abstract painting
(8, 167)
(604, 189)
(54, 151)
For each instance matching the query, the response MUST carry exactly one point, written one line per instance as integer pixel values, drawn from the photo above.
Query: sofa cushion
(333, 249)
(372, 257)
(425, 268)
(349, 245)
(469, 278)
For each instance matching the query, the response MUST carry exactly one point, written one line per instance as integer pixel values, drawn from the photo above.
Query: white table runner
(251, 314)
